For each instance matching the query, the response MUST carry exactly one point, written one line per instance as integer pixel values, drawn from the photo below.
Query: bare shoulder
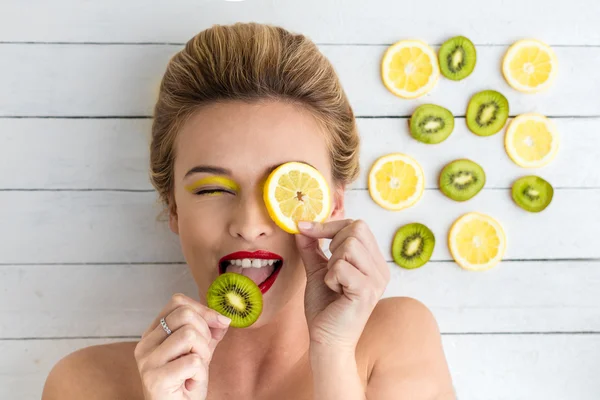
(394, 324)
(395, 316)
(98, 372)
(403, 344)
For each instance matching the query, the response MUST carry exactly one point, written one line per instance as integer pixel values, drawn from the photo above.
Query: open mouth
(263, 272)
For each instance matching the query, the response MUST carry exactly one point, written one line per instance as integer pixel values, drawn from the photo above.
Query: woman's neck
(266, 354)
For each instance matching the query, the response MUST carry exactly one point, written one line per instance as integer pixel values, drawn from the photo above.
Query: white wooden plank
(109, 227)
(521, 367)
(546, 296)
(113, 153)
(82, 227)
(83, 80)
(329, 21)
(76, 153)
(101, 87)
(490, 367)
(87, 300)
(121, 300)
(566, 229)
(574, 166)
(25, 364)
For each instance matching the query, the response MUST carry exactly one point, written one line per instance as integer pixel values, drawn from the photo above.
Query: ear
(338, 211)
(174, 221)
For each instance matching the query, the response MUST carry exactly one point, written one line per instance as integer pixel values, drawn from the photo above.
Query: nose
(251, 220)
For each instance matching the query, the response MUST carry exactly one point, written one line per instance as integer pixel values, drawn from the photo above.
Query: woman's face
(239, 144)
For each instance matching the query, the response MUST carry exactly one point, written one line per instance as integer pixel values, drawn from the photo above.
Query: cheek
(201, 222)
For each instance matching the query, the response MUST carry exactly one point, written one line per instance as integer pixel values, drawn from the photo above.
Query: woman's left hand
(342, 291)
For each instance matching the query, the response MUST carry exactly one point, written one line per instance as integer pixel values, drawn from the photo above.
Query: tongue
(258, 275)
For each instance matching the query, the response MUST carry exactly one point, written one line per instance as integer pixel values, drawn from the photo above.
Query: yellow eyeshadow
(221, 180)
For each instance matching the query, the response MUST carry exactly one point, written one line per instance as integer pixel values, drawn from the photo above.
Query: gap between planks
(356, 116)
(69, 43)
(549, 333)
(507, 260)
(348, 190)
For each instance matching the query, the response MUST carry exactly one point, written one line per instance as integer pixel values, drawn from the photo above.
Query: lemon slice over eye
(296, 191)
(396, 181)
(529, 66)
(477, 241)
(410, 69)
(531, 140)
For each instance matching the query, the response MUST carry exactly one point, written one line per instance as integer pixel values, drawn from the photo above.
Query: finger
(326, 230)
(180, 317)
(179, 343)
(355, 253)
(369, 261)
(344, 279)
(359, 229)
(191, 384)
(152, 342)
(217, 335)
(186, 315)
(189, 367)
(210, 316)
(311, 254)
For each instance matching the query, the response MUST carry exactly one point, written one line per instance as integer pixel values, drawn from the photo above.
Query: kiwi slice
(462, 179)
(431, 124)
(237, 297)
(413, 245)
(532, 193)
(457, 58)
(487, 113)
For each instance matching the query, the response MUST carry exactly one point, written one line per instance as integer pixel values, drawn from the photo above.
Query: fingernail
(223, 319)
(306, 225)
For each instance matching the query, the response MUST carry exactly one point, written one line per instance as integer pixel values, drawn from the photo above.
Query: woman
(235, 103)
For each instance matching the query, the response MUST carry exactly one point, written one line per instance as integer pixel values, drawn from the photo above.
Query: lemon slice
(396, 181)
(409, 68)
(296, 191)
(529, 66)
(477, 241)
(531, 140)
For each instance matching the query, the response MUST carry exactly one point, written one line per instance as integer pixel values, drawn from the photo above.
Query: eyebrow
(209, 169)
(212, 169)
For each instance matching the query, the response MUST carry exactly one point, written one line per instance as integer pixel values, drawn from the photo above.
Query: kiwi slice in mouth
(487, 112)
(236, 296)
(532, 193)
(413, 245)
(462, 179)
(431, 124)
(457, 58)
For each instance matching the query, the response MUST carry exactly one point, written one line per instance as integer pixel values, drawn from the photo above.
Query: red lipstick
(262, 254)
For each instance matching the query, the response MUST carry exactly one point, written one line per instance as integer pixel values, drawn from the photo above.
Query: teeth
(252, 262)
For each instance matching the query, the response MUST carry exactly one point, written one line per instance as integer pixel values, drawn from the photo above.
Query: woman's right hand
(175, 367)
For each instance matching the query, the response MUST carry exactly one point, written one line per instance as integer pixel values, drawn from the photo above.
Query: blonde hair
(250, 62)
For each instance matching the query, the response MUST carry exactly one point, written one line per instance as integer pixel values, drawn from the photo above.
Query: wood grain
(329, 21)
(42, 301)
(490, 367)
(101, 80)
(81, 255)
(112, 154)
(120, 227)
